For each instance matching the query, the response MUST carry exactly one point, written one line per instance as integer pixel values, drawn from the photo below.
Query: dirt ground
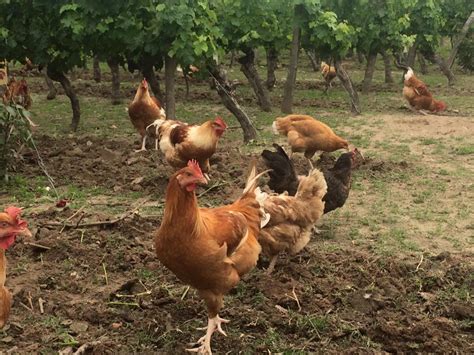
(104, 287)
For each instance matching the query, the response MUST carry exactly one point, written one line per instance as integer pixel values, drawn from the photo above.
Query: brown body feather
(209, 249)
(17, 92)
(5, 296)
(307, 135)
(292, 217)
(144, 110)
(418, 96)
(181, 142)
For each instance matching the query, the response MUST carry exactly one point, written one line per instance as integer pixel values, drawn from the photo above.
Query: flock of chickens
(212, 248)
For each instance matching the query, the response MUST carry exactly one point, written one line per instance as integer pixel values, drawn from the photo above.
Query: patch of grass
(464, 150)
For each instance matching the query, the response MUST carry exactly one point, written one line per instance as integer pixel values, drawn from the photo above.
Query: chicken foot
(213, 324)
(142, 149)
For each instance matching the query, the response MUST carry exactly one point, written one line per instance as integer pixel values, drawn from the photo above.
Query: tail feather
(253, 178)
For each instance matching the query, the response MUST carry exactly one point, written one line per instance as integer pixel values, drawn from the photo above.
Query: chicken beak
(204, 180)
(358, 152)
(25, 232)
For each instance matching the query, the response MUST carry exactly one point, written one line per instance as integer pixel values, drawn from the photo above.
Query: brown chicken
(328, 73)
(10, 227)
(307, 135)
(292, 217)
(181, 142)
(143, 111)
(209, 248)
(418, 96)
(17, 93)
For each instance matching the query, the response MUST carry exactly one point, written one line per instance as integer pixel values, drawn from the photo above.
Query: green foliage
(14, 133)
(47, 32)
(455, 13)
(466, 52)
(426, 22)
(250, 24)
(328, 35)
(378, 24)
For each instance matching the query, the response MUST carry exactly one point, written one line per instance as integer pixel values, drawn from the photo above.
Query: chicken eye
(4, 225)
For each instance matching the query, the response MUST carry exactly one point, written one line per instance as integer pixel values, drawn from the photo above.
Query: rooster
(181, 142)
(292, 217)
(328, 73)
(307, 135)
(143, 111)
(209, 248)
(10, 227)
(418, 96)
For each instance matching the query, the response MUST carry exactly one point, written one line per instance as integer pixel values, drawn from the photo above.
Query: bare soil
(103, 285)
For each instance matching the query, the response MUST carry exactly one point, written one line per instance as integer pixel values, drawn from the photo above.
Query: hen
(181, 142)
(338, 178)
(17, 93)
(282, 174)
(307, 135)
(292, 217)
(418, 95)
(10, 227)
(328, 73)
(143, 111)
(209, 249)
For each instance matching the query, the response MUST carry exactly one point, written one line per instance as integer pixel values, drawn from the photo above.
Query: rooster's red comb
(13, 212)
(194, 165)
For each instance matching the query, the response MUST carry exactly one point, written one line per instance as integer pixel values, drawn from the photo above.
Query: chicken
(418, 95)
(10, 227)
(209, 248)
(3, 73)
(292, 217)
(338, 178)
(282, 175)
(17, 93)
(143, 111)
(307, 135)
(328, 73)
(181, 142)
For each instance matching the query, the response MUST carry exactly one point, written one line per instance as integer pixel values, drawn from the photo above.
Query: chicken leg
(142, 149)
(213, 324)
(272, 264)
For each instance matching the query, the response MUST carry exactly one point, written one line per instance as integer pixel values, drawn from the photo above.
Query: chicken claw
(205, 341)
(143, 148)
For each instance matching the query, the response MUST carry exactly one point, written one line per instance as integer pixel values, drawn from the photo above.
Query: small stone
(7, 339)
(116, 325)
(79, 327)
(138, 180)
(89, 143)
